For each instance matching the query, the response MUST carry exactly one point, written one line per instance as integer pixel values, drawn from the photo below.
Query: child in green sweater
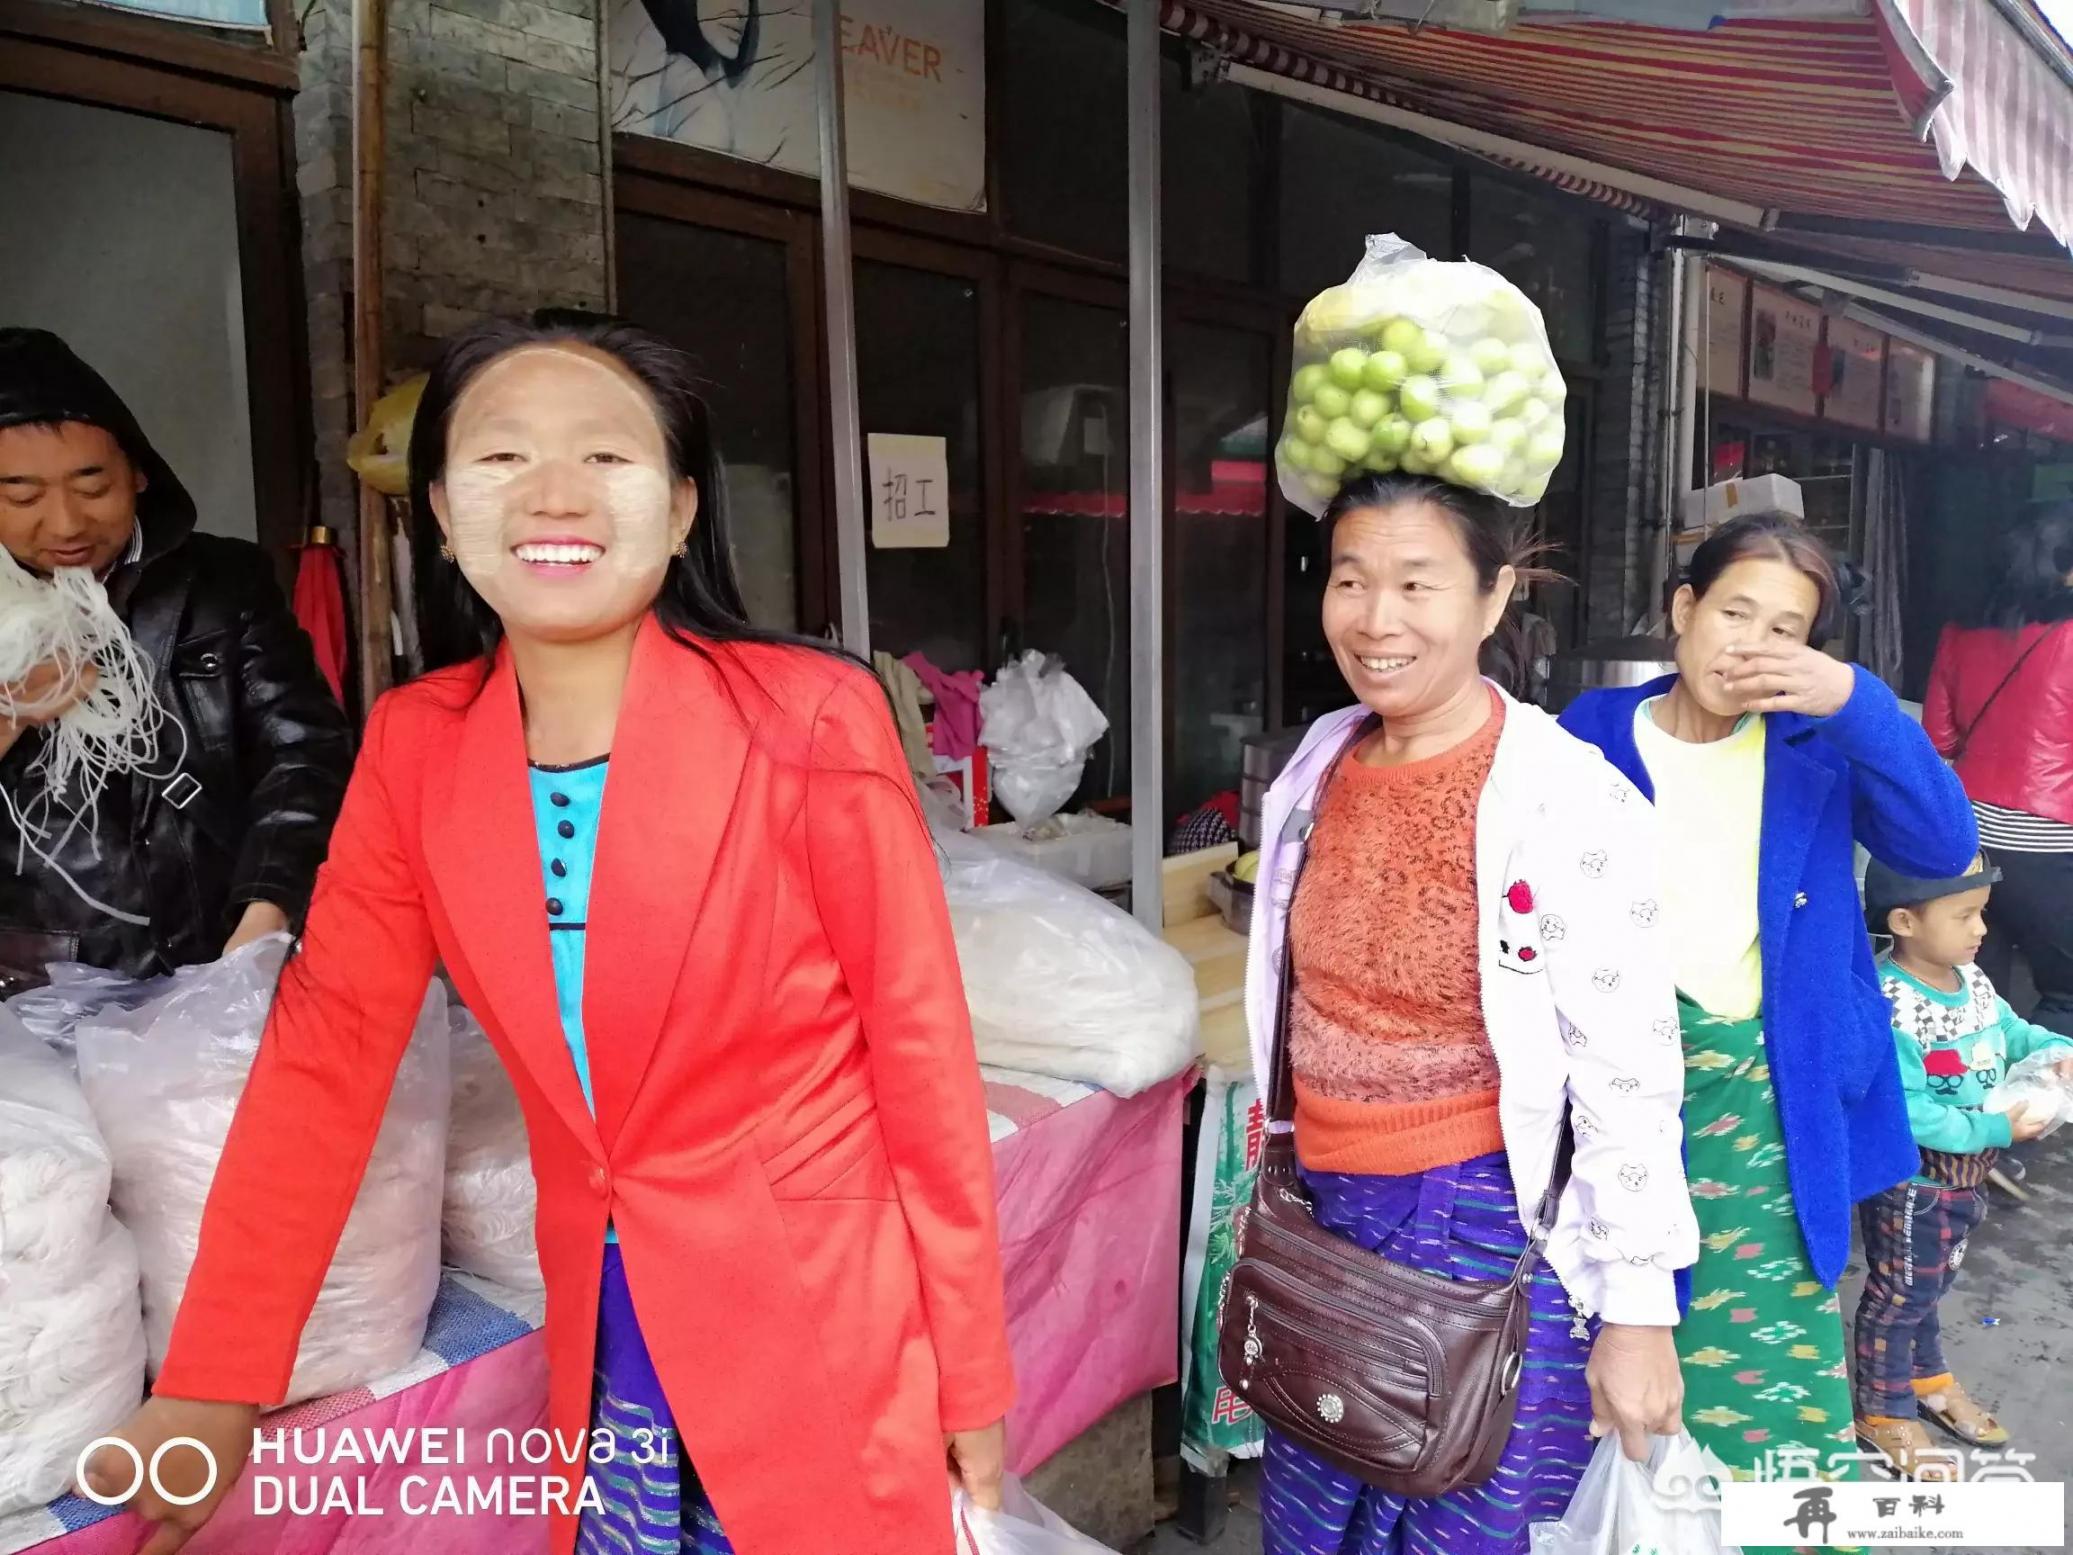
(1957, 1038)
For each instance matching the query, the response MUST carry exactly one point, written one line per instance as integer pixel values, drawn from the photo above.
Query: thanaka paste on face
(489, 506)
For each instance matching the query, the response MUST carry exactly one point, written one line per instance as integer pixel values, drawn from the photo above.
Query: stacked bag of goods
(1061, 982)
(491, 1199)
(71, 1331)
(164, 1081)
(1425, 366)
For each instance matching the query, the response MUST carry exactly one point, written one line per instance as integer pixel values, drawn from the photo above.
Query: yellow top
(1709, 808)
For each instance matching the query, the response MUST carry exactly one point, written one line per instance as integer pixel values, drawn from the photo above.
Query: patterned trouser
(1914, 1241)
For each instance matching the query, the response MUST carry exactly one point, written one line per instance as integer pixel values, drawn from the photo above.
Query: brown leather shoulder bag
(1405, 1379)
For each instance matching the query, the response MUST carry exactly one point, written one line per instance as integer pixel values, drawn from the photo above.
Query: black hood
(42, 381)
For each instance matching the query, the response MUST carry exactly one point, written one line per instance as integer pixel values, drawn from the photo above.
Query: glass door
(731, 284)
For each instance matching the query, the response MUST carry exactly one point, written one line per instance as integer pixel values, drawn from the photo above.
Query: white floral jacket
(1577, 997)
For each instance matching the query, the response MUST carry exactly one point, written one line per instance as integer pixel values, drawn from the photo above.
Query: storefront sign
(2014, 405)
(1855, 391)
(1910, 391)
(210, 13)
(1727, 312)
(910, 492)
(1784, 337)
(739, 80)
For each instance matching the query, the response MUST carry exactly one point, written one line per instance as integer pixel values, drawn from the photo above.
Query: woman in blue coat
(1767, 761)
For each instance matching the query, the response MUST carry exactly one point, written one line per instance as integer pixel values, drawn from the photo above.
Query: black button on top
(561, 870)
(567, 829)
(559, 801)
(554, 907)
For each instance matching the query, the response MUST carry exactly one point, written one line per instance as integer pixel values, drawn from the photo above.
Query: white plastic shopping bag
(2034, 1091)
(1039, 724)
(1023, 1526)
(1669, 1505)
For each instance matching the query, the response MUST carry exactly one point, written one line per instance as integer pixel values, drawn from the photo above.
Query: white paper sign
(910, 492)
(737, 77)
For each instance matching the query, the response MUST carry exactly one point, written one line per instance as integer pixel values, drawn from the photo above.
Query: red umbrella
(320, 605)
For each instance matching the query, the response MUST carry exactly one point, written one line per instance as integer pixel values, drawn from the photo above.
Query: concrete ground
(2018, 1273)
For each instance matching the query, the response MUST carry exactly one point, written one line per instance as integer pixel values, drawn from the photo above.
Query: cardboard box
(1728, 500)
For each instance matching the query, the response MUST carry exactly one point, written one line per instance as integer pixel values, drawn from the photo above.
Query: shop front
(991, 321)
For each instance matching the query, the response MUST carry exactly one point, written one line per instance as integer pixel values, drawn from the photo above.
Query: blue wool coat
(1867, 774)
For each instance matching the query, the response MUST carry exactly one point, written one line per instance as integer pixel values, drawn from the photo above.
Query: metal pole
(1147, 484)
(853, 611)
(370, 51)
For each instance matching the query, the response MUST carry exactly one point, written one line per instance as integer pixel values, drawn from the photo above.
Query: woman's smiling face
(558, 498)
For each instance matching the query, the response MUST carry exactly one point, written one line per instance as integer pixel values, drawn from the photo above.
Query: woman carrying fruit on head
(1471, 980)
(1451, 885)
(766, 1215)
(1767, 761)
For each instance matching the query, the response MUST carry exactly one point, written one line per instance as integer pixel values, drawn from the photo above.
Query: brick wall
(1626, 450)
(494, 194)
(495, 172)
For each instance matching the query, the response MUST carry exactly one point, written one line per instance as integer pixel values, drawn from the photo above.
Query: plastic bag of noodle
(1422, 365)
(71, 1322)
(164, 1081)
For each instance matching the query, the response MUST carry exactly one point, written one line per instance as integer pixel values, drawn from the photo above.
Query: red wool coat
(790, 1133)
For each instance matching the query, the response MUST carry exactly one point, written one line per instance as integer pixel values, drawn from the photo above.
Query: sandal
(1953, 1411)
(1904, 1444)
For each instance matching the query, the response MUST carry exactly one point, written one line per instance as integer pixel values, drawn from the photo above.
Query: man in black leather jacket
(226, 848)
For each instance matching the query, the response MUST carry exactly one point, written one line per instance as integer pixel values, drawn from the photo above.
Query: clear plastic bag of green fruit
(1423, 365)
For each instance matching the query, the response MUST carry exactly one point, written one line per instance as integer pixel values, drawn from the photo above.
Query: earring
(681, 549)
(446, 553)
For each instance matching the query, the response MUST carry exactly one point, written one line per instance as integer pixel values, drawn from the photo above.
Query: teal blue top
(566, 804)
(1954, 1049)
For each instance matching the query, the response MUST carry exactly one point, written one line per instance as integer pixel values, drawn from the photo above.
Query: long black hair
(1490, 534)
(2036, 561)
(700, 601)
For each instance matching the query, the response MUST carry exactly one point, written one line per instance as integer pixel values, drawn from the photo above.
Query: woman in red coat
(2000, 706)
(766, 1214)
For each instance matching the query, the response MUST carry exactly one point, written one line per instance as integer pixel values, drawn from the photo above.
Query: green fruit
(1347, 366)
(1533, 490)
(1380, 462)
(1432, 440)
(1295, 453)
(1471, 423)
(1402, 337)
(1326, 463)
(1552, 388)
(1368, 408)
(1310, 424)
(1480, 466)
(1506, 392)
(1348, 441)
(1429, 353)
(1322, 487)
(1420, 398)
(1460, 378)
(1529, 360)
(1331, 401)
(1393, 434)
(1412, 464)
(1308, 381)
(1535, 413)
(1544, 450)
(1507, 436)
(1386, 371)
(1490, 355)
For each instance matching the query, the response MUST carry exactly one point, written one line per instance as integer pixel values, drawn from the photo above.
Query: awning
(1815, 125)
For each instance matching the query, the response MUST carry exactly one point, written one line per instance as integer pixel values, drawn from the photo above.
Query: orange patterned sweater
(1393, 1068)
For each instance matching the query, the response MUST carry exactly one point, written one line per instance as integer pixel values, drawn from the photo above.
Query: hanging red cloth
(319, 604)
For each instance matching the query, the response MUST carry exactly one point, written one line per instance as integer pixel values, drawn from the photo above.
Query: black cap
(1886, 888)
